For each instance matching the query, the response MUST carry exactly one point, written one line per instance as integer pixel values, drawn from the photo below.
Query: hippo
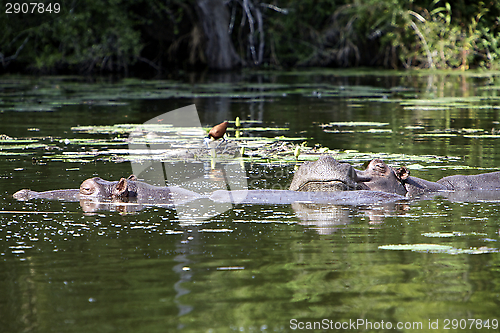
(124, 189)
(323, 181)
(327, 174)
(90, 188)
(100, 194)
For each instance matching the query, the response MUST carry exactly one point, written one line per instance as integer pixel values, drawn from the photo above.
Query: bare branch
(260, 24)
(251, 21)
(275, 8)
(422, 38)
(149, 62)
(7, 60)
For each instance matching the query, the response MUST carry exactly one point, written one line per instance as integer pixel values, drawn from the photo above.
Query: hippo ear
(132, 177)
(120, 188)
(402, 173)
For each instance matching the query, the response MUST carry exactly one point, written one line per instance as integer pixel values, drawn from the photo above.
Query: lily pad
(23, 146)
(215, 230)
(8, 153)
(416, 166)
(441, 135)
(5, 139)
(483, 136)
(376, 130)
(436, 248)
(451, 234)
(427, 108)
(357, 123)
(94, 142)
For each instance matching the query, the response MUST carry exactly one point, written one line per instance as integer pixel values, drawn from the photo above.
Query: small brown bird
(217, 132)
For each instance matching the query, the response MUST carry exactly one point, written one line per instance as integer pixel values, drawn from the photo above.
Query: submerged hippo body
(378, 176)
(283, 197)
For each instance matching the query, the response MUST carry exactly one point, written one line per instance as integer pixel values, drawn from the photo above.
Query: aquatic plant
(92, 37)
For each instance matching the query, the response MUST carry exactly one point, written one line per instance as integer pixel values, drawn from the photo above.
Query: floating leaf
(94, 142)
(427, 108)
(376, 130)
(7, 153)
(23, 146)
(451, 234)
(444, 135)
(436, 248)
(483, 136)
(357, 123)
(5, 139)
(215, 230)
(415, 166)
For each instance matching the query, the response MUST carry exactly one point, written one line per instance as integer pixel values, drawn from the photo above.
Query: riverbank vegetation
(158, 36)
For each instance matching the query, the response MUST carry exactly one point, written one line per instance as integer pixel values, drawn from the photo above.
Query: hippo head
(99, 187)
(328, 175)
(378, 176)
(95, 187)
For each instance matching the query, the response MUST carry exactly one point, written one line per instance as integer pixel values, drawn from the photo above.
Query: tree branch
(7, 60)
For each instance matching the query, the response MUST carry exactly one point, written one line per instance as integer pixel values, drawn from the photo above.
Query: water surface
(254, 267)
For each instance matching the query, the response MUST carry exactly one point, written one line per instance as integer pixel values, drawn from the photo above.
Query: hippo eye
(86, 190)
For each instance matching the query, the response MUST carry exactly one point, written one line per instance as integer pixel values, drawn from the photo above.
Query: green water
(253, 268)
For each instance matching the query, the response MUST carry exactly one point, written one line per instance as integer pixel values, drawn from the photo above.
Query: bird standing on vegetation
(217, 132)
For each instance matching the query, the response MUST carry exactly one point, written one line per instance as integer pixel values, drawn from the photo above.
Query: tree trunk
(219, 50)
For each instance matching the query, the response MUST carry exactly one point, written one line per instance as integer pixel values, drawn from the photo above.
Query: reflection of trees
(130, 278)
(20, 296)
(341, 276)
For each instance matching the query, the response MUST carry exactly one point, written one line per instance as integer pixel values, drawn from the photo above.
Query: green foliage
(440, 43)
(109, 42)
(112, 35)
(85, 36)
(296, 36)
(389, 33)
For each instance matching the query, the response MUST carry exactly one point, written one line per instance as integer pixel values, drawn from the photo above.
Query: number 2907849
(32, 8)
